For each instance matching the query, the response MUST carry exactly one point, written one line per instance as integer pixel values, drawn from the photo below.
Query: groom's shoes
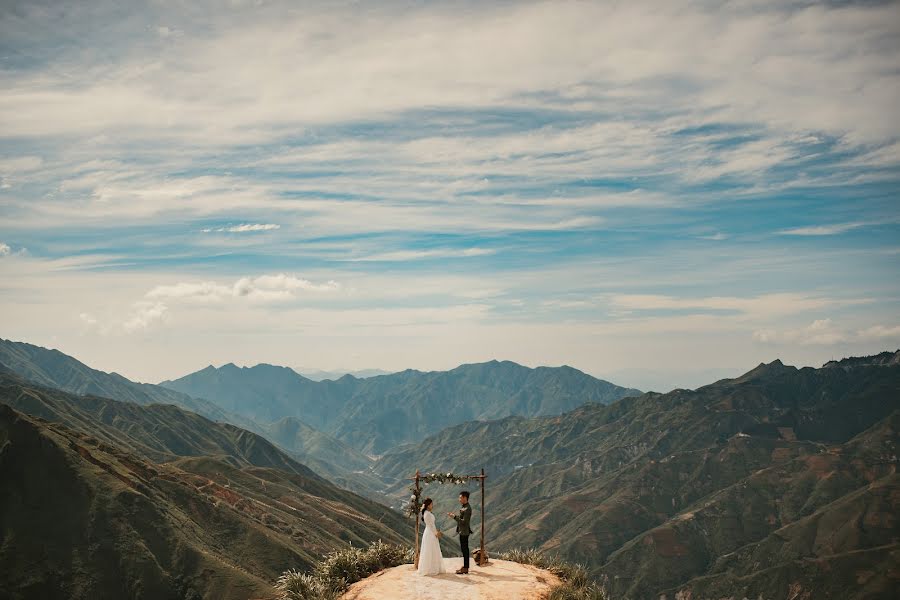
(462, 571)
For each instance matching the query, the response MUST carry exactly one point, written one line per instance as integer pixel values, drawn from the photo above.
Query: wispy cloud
(813, 230)
(480, 175)
(404, 255)
(388, 60)
(821, 331)
(766, 306)
(6, 250)
(880, 332)
(144, 315)
(264, 288)
(244, 228)
(826, 332)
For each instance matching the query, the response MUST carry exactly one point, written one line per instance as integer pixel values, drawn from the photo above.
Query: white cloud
(826, 332)
(409, 120)
(771, 64)
(560, 303)
(753, 158)
(427, 320)
(104, 192)
(814, 230)
(6, 250)
(199, 290)
(145, 314)
(880, 332)
(766, 306)
(245, 227)
(280, 286)
(20, 164)
(649, 64)
(253, 227)
(404, 255)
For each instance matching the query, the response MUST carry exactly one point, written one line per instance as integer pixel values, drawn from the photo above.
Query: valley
(782, 478)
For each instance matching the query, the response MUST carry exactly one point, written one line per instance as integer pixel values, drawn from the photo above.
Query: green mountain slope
(653, 491)
(310, 446)
(808, 506)
(159, 432)
(52, 368)
(343, 465)
(378, 413)
(105, 499)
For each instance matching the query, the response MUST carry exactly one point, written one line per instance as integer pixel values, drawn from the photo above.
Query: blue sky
(657, 193)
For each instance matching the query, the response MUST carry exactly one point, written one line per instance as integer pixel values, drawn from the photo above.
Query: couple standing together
(431, 562)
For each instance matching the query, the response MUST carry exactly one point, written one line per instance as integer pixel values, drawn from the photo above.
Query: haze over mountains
(52, 368)
(319, 375)
(332, 426)
(378, 413)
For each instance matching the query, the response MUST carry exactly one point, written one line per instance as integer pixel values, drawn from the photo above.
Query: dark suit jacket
(463, 519)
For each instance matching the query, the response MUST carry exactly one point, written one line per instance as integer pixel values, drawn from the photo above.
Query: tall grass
(341, 568)
(338, 570)
(576, 581)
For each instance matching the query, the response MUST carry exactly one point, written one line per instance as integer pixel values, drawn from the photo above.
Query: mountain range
(332, 426)
(109, 499)
(781, 479)
(52, 368)
(319, 375)
(378, 413)
(779, 483)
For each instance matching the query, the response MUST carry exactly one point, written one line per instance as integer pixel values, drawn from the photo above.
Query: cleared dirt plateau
(498, 580)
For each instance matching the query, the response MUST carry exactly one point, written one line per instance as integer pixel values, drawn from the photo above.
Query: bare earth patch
(499, 580)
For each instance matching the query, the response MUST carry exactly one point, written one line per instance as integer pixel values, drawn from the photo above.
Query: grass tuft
(576, 581)
(338, 570)
(341, 568)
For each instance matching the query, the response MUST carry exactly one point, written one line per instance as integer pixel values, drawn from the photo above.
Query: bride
(430, 560)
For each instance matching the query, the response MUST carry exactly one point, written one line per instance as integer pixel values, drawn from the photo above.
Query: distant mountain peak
(376, 413)
(767, 370)
(776, 367)
(886, 359)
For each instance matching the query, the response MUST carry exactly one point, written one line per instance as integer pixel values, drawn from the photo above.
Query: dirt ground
(499, 580)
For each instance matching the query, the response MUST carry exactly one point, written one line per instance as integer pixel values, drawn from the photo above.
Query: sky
(658, 193)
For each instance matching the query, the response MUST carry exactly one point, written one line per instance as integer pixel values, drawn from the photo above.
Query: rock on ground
(498, 580)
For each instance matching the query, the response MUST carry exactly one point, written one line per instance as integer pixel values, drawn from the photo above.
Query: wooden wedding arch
(415, 500)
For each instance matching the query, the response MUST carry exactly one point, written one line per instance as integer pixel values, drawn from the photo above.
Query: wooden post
(482, 559)
(416, 562)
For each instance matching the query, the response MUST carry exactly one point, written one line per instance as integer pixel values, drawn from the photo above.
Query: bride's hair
(424, 506)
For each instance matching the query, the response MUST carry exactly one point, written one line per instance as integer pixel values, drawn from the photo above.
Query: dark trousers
(464, 546)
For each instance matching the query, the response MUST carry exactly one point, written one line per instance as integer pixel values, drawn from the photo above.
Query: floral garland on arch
(414, 504)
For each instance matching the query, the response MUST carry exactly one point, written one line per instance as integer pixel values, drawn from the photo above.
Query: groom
(462, 527)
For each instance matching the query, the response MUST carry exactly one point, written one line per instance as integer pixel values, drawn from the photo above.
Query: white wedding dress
(430, 560)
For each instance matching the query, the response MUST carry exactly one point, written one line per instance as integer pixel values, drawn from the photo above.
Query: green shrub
(576, 581)
(339, 569)
(566, 591)
(294, 585)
